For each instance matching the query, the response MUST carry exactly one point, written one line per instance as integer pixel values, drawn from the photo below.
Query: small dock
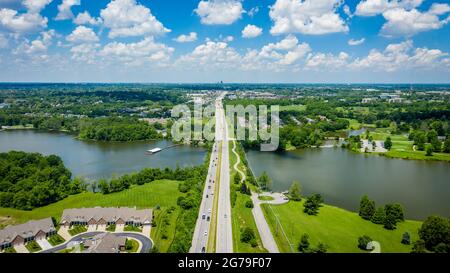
(157, 149)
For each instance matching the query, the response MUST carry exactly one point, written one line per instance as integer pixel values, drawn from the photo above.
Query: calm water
(94, 160)
(342, 177)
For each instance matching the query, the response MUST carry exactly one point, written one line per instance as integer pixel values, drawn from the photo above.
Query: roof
(108, 214)
(28, 229)
(105, 243)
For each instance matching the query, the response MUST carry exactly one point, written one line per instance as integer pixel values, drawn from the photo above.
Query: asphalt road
(145, 241)
(203, 224)
(224, 240)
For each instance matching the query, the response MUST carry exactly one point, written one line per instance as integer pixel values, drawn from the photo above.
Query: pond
(342, 177)
(94, 160)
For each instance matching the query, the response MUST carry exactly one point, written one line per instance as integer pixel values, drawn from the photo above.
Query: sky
(248, 41)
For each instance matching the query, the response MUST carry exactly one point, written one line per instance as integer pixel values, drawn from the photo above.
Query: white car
(205, 233)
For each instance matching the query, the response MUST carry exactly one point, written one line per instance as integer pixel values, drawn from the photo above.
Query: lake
(94, 160)
(342, 177)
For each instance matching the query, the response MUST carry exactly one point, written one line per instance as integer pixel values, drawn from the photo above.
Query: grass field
(134, 245)
(403, 148)
(339, 229)
(164, 232)
(242, 216)
(162, 192)
(298, 108)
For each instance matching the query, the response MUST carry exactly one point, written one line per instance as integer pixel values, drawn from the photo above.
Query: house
(106, 216)
(368, 100)
(105, 243)
(21, 234)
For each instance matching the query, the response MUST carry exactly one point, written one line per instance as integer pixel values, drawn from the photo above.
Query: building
(106, 216)
(368, 100)
(105, 243)
(21, 234)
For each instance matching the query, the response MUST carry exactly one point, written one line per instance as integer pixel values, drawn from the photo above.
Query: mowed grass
(161, 192)
(242, 216)
(295, 107)
(403, 148)
(339, 229)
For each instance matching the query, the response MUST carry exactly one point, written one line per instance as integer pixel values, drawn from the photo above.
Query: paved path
(145, 241)
(21, 249)
(63, 232)
(224, 239)
(44, 244)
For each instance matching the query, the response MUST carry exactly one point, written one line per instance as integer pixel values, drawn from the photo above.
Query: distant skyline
(235, 41)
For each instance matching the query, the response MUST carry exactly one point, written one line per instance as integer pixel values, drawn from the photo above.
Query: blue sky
(336, 41)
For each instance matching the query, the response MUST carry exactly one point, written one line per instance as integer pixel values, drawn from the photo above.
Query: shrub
(247, 235)
(312, 204)
(379, 216)
(249, 204)
(363, 241)
(406, 238)
(434, 231)
(303, 245)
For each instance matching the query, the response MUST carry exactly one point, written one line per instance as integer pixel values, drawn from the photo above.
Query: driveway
(92, 227)
(119, 228)
(101, 227)
(64, 232)
(21, 249)
(146, 230)
(145, 241)
(44, 244)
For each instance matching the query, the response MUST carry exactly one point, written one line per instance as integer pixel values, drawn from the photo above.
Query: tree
(406, 238)
(379, 216)
(363, 241)
(446, 146)
(321, 248)
(419, 247)
(103, 185)
(366, 208)
(303, 245)
(237, 178)
(249, 204)
(435, 230)
(247, 235)
(295, 191)
(429, 151)
(312, 204)
(394, 214)
(264, 181)
(436, 145)
(245, 189)
(388, 143)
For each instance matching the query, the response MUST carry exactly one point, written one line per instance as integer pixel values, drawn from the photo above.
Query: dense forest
(29, 180)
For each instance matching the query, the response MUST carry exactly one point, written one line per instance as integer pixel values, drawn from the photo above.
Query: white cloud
(35, 6)
(307, 17)
(137, 53)
(401, 22)
(31, 21)
(84, 18)
(400, 56)
(191, 37)
(354, 42)
(251, 31)
(64, 9)
(253, 11)
(3, 41)
(82, 34)
(321, 61)
(85, 52)
(128, 18)
(228, 39)
(216, 55)
(36, 50)
(375, 7)
(219, 12)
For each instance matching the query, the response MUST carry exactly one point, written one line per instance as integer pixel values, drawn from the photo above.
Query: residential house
(24, 233)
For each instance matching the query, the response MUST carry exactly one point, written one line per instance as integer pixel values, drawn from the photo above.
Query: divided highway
(224, 241)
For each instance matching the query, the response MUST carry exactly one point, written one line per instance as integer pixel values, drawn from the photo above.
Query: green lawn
(298, 108)
(339, 229)
(134, 246)
(132, 228)
(242, 216)
(55, 240)
(265, 198)
(77, 229)
(111, 228)
(162, 192)
(164, 232)
(33, 246)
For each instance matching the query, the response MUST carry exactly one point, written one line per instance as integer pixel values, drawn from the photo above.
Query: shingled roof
(105, 243)
(107, 214)
(28, 229)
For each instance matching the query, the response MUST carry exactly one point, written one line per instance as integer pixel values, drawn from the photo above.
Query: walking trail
(263, 228)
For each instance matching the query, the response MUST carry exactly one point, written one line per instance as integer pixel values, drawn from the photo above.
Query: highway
(224, 241)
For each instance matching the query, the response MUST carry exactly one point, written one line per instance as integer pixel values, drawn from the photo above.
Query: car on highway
(203, 249)
(203, 216)
(205, 233)
(206, 196)
(209, 210)
(207, 218)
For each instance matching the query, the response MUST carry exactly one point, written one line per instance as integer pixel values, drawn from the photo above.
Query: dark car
(207, 218)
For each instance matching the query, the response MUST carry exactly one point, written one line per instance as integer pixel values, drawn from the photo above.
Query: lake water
(94, 160)
(342, 177)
